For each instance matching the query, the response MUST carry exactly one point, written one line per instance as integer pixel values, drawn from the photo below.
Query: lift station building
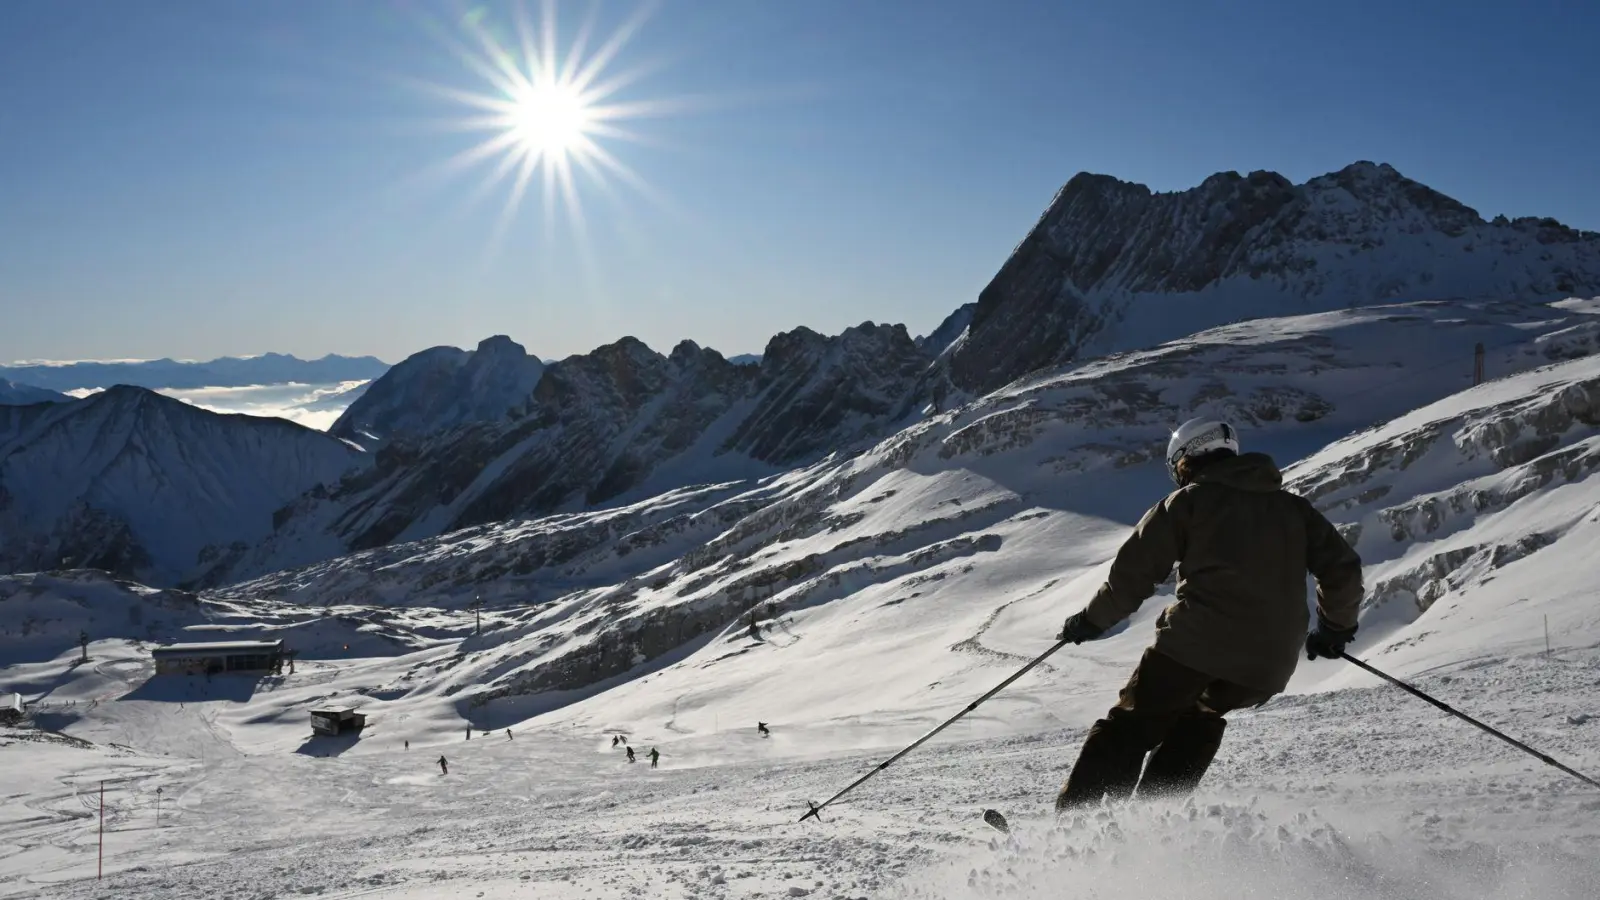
(217, 658)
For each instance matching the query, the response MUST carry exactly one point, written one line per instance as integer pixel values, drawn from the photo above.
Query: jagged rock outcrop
(440, 388)
(818, 394)
(1424, 480)
(140, 484)
(1112, 265)
(609, 426)
(938, 340)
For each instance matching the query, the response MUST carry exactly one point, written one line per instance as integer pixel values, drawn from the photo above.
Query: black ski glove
(1079, 629)
(1328, 641)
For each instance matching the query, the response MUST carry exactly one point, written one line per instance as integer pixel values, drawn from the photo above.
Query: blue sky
(211, 177)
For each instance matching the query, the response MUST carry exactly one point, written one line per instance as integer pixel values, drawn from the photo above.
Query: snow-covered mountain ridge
(609, 428)
(131, 481)
(1113, 266)
(440, 388)
(13, 394)
(1021, 495)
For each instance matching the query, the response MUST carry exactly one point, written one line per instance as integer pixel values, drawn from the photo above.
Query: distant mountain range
(13, 394)
(465, 439)
(228, 371)
(133, 482)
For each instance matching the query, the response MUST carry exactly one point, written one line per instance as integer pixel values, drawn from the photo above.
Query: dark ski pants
(1168, 708)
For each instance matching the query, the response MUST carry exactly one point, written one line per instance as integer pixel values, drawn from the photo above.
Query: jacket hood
(1246, 472)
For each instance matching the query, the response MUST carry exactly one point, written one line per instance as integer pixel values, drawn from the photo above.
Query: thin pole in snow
(817, 808)
(100, 869)
(1542, 757)
(1547, 635)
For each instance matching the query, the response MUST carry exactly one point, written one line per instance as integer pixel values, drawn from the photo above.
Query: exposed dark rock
(440, 388)
(1084, 277)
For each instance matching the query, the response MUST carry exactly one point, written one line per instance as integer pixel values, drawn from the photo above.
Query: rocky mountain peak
(1112, 265)
(818, 393)
(625, 373)
(440, 388)
(499, 345)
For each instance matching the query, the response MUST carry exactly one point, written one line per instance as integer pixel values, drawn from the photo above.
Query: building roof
(219, 648)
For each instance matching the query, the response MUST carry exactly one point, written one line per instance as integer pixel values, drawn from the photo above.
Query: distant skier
(508, 734)
(616, 739)
(444, 766)
(469, 732)
(408, 744)
(655, 755)
(755, 629)
(1242, 546)
(761, 727)
(630, 754)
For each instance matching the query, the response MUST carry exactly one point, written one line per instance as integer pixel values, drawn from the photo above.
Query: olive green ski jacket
(1243, 546)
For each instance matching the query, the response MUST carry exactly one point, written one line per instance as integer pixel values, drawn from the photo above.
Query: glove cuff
(1333, 630)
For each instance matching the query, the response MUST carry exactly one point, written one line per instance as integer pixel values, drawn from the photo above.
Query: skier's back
(1243, 546)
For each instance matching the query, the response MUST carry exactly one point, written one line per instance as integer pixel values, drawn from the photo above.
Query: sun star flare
(547, 112)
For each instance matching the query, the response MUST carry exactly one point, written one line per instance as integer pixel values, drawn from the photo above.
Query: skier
(1242, 545)
(408, 744)
(444, 766)
(761, 727)
(615, 740)
(508, 734)
(630, 754)
(654, 756)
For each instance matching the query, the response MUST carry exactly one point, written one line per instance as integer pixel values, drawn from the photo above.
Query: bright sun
(550, 120)
(547, 112)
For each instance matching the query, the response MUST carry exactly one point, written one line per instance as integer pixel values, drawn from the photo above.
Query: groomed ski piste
(936, 564)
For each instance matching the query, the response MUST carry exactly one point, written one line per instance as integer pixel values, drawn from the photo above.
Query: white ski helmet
(1198, 437)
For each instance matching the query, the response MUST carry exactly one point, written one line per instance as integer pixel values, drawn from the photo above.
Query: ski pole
(817, 808)
(1544, 758)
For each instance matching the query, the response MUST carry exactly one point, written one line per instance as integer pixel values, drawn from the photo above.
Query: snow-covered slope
(1478, 517)
(889, 590)
(43, 614)
(13, 394)
(440, 388)
(615, 426)
(958, 541)
(133, 482)
(1112, 265)
(227, 371)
